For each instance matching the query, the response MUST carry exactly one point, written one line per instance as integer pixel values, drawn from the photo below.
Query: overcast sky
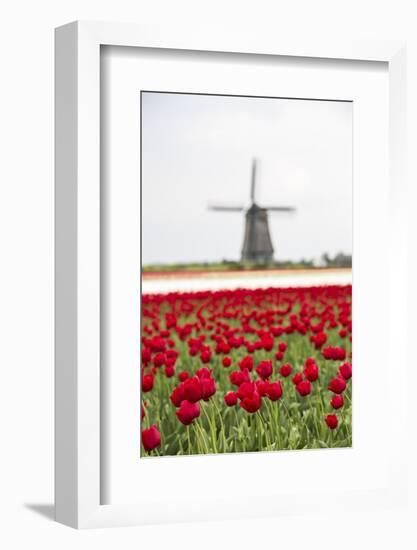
(198, 150)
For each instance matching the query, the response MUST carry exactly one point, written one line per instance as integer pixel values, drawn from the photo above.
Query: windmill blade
(253, 182)
(279, 208)
(225, 208)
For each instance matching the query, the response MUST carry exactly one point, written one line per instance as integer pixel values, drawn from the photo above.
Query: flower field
(246, 370)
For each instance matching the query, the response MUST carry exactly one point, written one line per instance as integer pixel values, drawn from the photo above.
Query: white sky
(198, 150)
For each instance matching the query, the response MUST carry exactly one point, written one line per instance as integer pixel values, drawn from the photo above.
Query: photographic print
(246, 262)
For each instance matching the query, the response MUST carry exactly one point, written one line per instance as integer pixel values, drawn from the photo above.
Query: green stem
(221, 426)
(265, 427)
(189, 440)
(278, 421)
(203, 439)
(212, 428)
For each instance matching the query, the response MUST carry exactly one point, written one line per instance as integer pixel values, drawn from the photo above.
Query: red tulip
(237, 377)
(183, 376)
(246, 363)
(171, 354)
(192, 389)
(319, 339)
(159, 360)
(169, 372)
(337, 385)
(285, 370)
(151, 438)
(230, 398)
(205, 356)
(297, 378)
(282, 346)
(311, 372)
(346, 370)
(264, 369)
(146, 355)
(208, 388)
(204, 372)
(245, 389)
(177, 396)
(334, 353)
(262, 387)
(188, 412)
(226, 362)
(337, 401)
(267, 343)
(252, 402)
(147, 383)
(274, 391)
(279, 356)
(303, 387)
(331, 421)
(170, 361)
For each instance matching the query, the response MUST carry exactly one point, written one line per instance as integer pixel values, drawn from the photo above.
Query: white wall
(26, 233)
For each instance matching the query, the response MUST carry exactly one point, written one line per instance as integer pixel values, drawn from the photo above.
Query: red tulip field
(246, 370)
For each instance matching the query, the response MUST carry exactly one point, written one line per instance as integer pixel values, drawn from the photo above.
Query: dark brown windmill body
(257, 243)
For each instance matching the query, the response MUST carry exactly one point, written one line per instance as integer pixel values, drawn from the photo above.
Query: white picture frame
(77, 248)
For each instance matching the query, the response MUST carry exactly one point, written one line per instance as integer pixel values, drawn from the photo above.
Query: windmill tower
(257, 244)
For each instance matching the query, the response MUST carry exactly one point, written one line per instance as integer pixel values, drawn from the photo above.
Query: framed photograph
(230, 275)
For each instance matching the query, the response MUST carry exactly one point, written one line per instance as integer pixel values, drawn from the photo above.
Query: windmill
(257, 243)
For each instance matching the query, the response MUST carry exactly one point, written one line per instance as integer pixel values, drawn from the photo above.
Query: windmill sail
(225, 208)
(253, 182)
(279, 208)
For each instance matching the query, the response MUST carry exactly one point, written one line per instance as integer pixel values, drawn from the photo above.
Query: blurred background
(198, 154)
